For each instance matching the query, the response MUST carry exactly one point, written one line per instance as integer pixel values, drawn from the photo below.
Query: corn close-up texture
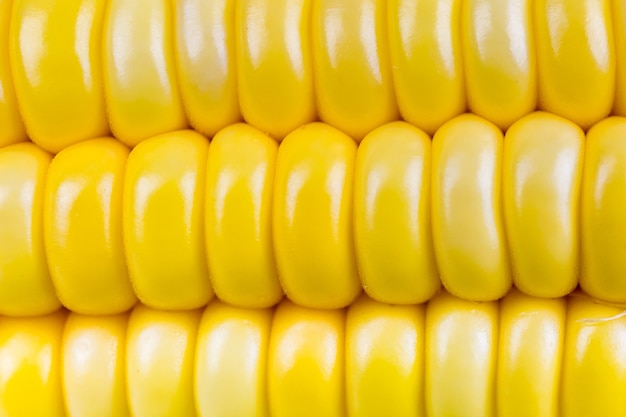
(312, 208)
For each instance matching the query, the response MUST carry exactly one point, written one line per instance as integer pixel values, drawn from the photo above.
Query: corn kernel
(575, 58)
(231, 362)
(541, 191)
(530, 355)
(427, 31)
(467, 224)
(59, 89)
(160, 362)
(26, 288)
(392, 225)
(93, 366)
(205, 63)
(384, 343)
(274, 64)
(460, 351)
(82, 219)
(306, 362)
(143, 97)
(351, 65)
(500, 62)
(30, 353)
(238, 217)
(312, 216)
(13, 130)
(162, 217)
(603, 225)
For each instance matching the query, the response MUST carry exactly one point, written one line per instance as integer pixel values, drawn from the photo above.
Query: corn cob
(135, 207)
(315, 218)
(521, 356)
(83, 68)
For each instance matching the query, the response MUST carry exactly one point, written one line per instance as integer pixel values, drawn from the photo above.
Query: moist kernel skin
(619, 31)
(26, 288)
(231, 361)
(575, 59)
(603, 256)
(392, 215)
(461, 344)
(530, 348)
(467, 216)
(160, 348)
(427, 31)
(542, 174)
(384, 343)
(83, 227)
(32, 347)
(312, 217)
(56, 62)
(162, 217)
(238, 217)
(312, 208)
(353, 81)
(207, 71)
(275, 64)
(306, 360)
(94, 387)
(593, 351)
(13, 130)
(195, 361)
(142, 92)
(499, 56)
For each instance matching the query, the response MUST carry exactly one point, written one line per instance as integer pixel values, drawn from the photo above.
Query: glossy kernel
(274, 63)
(205, 57)
(231, 362)
(306, 362)
(351, 61)
(530, 354)
(467, 218)
(93, 366)
(384, 343)
(312, 217)
(575, 58)
(392, 224)
(238, 209)
(25, 285)
(542, 172)
(30, 354)
(143, 97)
(603, 224)
(160, 350)
(594, 369)
(56, 56)
(461, 346)
(83, 227)
(427, 31)
(619, 29)
(13, 130)
(499, 59)
(163, 221)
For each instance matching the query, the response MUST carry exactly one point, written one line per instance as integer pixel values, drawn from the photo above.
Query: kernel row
(81, 69)
(448, 357)
(318, 218)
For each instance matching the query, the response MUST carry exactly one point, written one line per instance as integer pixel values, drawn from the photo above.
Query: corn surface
(521, 356)
(177, 220)
(81, 69)
(312, 208)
